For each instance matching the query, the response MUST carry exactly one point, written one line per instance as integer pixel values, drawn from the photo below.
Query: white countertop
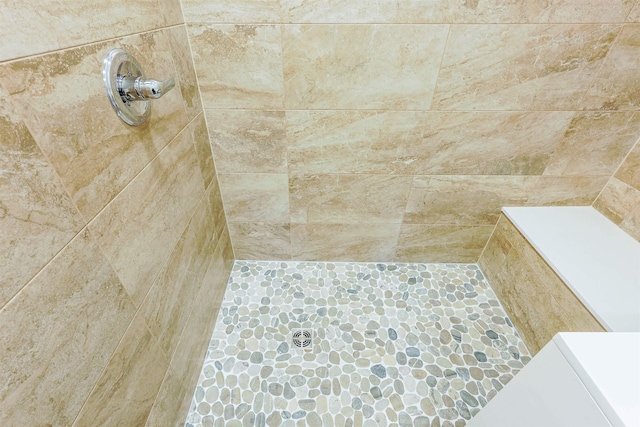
(602, 267)
(609, 366)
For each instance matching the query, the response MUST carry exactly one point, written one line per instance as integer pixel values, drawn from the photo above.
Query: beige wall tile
(359, 242)
(631, 223)
(127, 388)
(43, 26)
(58, 334)
(594, 144)
(495, 252)
(261, 240)
(404, 142)
(617, 201)
(253, 197)
(202, 146)
(62, 99)
(566, 190)
(497, 11)
(140, 227)
(629, 171)
(634, 15)
(188, 357)
(343, 199)
(337, 11)
(214, 198)
(616, 85)
(185, 72)
(232, 11)
(520, 67)
(172, 403)
(361, 66)
(248, 141)
(464, 200)
(441, 243)
(38, 218)
(167, 306)
(238, 66)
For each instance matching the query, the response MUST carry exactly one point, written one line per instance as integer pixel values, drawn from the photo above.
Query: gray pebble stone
(379, 371)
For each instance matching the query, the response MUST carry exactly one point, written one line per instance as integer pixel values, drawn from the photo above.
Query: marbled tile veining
(394, 345)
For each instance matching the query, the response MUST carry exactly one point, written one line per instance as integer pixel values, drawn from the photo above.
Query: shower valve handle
(139, 88)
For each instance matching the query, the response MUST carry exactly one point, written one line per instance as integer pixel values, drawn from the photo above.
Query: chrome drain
(302, 338)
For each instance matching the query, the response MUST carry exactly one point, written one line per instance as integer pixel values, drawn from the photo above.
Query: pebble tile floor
(424, 345)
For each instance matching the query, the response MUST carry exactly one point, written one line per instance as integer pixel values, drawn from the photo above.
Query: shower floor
(393, 345)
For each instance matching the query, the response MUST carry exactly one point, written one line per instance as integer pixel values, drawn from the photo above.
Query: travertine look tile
(62, 99)
(238, 66)
(260, 240)
(337, 11)
(202, 146)
(187, 359)
(520, 67)
(361, 66)
(37, 27)
(172, 403)
(616, 85)
(248, 141)
(38, 217)
(185, 71)
(441, 243)
(405, 142)
(253, 197)
(59, 332)
(629, 171)
(536, 298)
(140, 227)
(531, 11)
(631, 224)
(232, 11)
(127, 388)
(594, 144)
(341, 199)
(167, 306)
(617, 200)
(464, 200)
(565, 190)
(214, 198)
(171, 11)
(634, 15)
(348, 242)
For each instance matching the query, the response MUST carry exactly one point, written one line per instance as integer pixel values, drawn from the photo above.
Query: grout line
(90, 43)
(399, 24)
(444, 51)
(613, 175)
(394, 110)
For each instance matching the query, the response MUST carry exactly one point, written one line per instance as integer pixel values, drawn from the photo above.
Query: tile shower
(394, 344)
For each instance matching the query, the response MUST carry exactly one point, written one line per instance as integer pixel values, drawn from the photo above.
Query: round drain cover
(302, 339)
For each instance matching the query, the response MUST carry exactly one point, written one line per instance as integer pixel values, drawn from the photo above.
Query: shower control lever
(139, 89)
(128, 89)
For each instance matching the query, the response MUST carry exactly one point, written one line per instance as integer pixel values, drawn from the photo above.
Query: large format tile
(616, 86)
(59, 332)
(172, 403)
(344, 199)
(37, 27)
(238, 66)
(248, 141)
(232, 11)
(423, 143)
(200, 136)
(260, 240)
(62, 100)
(350, 242)
(464, 200)
(629, 171)
(253, 197)
(520, 67)
(140, 227)
(617, 200)
(594, 144)
(361, 66)
(185, 71)
(127, 388)
(169, 301)
(38, 217)
(565, 190)
(441, 243)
